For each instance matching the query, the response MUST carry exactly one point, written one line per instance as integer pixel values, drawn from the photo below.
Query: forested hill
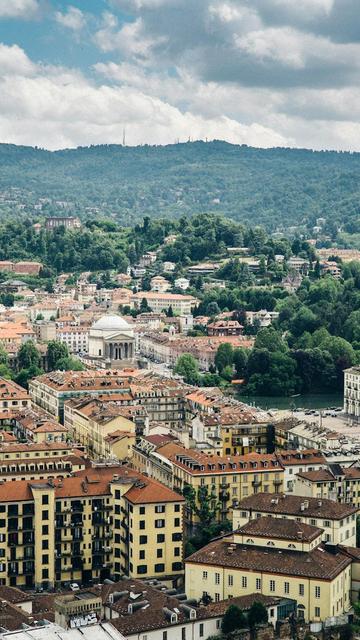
(272, 187)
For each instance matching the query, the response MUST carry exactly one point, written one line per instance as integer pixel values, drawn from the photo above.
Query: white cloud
(14, 61)
(18, 8)
(130, 39)
(73, 18)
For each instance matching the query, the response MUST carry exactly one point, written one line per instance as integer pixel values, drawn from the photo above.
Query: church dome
(111, 323)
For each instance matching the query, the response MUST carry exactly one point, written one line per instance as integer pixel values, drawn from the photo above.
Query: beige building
(278, 557)
(341, 484)
(90, 422)
(338, 521)
(180, 304)
(101, 522)
(12, 396)
(225, 480)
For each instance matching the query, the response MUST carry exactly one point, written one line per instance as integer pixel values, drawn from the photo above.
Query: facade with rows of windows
(102, 522)
(274, 557)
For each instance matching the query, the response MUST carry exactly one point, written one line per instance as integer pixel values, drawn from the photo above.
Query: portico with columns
(112, 342)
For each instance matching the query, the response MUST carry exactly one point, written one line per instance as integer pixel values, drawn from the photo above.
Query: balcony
(256, 483)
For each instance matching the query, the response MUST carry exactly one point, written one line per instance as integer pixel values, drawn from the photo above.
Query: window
(177, 507)
(142, 524)
(164, 635)
(45, 515)
(45, 499)
(143, 539)
(45, 574)
(217, 578)
(317, 612)
(176, 522)
(159, 568)
(142, 554)
(326, 523)
(317, 592)
(272, 585)
(142, 511)
(301, 590)
(142, 568)
(258, 584)
(160, 537)
(177, 566)
(176, 537)
(45, 530)
(45, 544)
(159, 508)
(244, 582)
(230, 581)
(177, 551)
(159, 524)
(217, 597)
(205, 575)
(159, 553)
(201, 630)
(183, 633)
(313, 522)
(286, 587)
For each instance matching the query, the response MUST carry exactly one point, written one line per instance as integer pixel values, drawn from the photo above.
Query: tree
(187, 367)
(69, 364)
(25, 375)
(233, 619)
(240, 358)
(202, 504)
(170, 313)
(224, 356)
(56, 351)
(269, 339)
(212, 309)
(28, 355)
(144, 306)
(257, 614)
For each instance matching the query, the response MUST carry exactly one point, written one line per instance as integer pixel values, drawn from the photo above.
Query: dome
(111, 323)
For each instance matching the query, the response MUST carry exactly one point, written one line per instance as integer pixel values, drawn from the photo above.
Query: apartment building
(161, 614)
(168, 347)
(75, 338)
(36, 426)
(352, 392)
(226, 480)
(90, 421)
(338, 521)
(101, 522)
(295, 461)
(50, 390)
(70, 222)
(338, 483)
(180, 304)
(12, 396)
(38, 461)
(274, 557)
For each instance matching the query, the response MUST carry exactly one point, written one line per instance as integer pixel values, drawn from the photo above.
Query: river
(309, 401)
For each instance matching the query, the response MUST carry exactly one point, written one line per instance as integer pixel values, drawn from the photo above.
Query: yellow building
(39, 461)
(275, 557)
(226, 479)
(338, 521)
(336, 483)
(90, 421)
(12, 396)
(104, 521)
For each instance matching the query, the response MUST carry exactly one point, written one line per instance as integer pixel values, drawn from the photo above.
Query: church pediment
(118, 337)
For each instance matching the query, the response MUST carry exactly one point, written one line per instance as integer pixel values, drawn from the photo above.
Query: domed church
(112, 342)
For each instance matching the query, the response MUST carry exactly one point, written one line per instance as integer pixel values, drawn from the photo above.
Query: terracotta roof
(150, 491)
(325, 475)
(289, 504)
(305, 456)
(280, 528)
(317, 563)
(14, 595)
(192, 461)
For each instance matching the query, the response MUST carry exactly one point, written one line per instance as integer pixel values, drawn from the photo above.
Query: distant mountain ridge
(273, 187)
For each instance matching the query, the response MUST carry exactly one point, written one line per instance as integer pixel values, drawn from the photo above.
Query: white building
(352, 392)
(76, 338)
(182, 283)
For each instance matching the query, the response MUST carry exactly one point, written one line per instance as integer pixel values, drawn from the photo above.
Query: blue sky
(260, 72)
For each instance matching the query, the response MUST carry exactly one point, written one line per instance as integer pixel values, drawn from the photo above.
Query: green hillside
(272, 187)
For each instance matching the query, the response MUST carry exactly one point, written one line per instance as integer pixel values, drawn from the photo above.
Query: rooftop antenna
(124, 137)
